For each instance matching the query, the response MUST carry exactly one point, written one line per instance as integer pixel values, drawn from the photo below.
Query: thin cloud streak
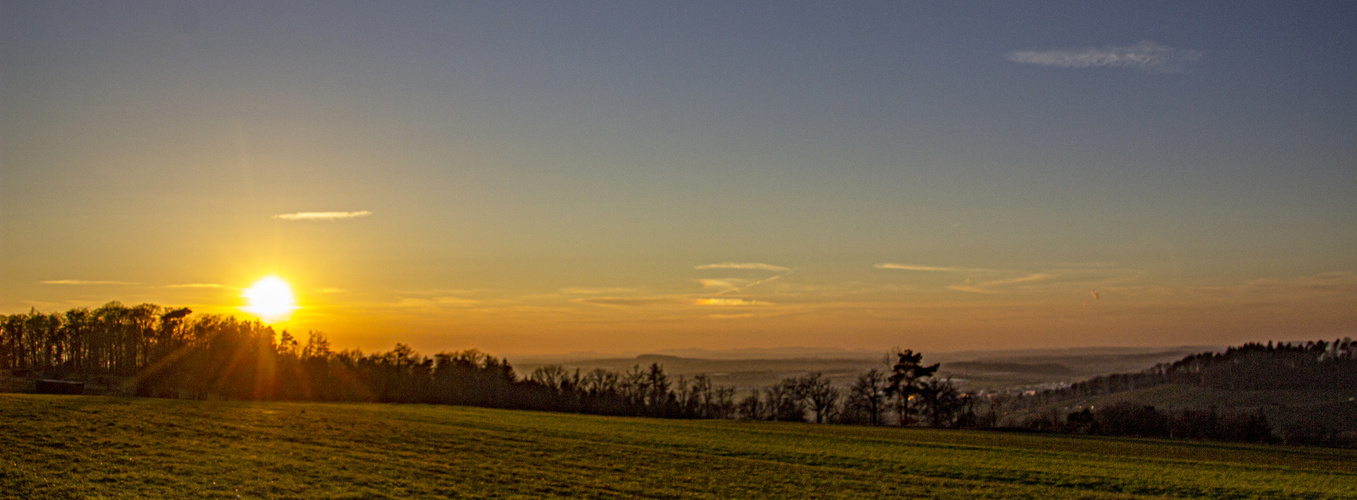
(1146, 56)
(987, 287)
(627, 301)
(745, 265)
(912, 267)
(725, 283)
(436, 302)
(743, 287)
(324, 216)
(1031, 278)
(196, 285)
(731, 302)
(584, 290)
(971, 289)
(736, 316)
(85, 282)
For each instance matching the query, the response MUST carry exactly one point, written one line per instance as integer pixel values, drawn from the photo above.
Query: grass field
(101, 447)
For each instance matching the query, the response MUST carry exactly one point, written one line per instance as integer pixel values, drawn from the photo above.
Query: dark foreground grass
(98, 447)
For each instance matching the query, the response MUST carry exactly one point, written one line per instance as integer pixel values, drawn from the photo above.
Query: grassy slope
(92, 447)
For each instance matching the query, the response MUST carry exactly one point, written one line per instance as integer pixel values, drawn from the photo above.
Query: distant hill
(1001, 368)
(972, 370)
(743, 374)
(1307, 391)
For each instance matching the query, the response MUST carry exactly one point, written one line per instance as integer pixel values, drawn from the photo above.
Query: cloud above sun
(994, 285)
(913, 267)
(591, 290)
(722, 302)
(723, 283)
(746, 265)
(85, 282)
(988, 287)
(628, 301)
(1146, 56)
(323, 216)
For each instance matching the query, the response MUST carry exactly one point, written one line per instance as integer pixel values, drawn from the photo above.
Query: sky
(551, 177)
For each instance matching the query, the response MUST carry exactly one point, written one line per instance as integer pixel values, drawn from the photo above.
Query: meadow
(108, 447)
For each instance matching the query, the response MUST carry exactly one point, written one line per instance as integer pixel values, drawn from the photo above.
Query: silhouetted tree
(904, 383)
(940, 401)
(867, 397)
(820, 395)
(752, 408)
(784, 401)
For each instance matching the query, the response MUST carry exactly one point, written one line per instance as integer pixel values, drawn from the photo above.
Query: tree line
(908, 394)
(154, 351)
(1131, 419)
(170, 352)
(149, 350)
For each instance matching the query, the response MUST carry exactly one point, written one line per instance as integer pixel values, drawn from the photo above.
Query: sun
(271, 299)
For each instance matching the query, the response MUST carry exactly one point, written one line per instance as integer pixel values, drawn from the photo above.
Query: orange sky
(636, 177)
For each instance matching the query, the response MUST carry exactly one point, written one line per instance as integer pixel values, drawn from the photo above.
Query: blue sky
(507, 154)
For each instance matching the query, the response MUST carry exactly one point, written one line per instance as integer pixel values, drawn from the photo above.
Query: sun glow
(271, 299)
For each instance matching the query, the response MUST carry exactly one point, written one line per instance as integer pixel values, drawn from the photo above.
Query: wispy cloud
(1146, 56)
(326, 216)
(196, 285)
(627, 301)
(85, 282)
(723, 302)
(443, 291)
(435, 302)
(723, 283)
(734, 316)
(912, 267)
(585, 290)
(746, 265)
(988, 286)
(735, 285)
(1031, 278)
(970, 289)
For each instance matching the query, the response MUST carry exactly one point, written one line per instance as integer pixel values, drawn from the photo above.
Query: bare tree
(554, 377)
(868, 396)
(657, 389)
(785, 401)
(701, 403)
(819, 392)
(751, 407)
(600, 381)
(633, 386)
(723, 402)
(940, 401)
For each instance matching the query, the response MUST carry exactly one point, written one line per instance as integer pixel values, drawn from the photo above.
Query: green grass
(100, 447)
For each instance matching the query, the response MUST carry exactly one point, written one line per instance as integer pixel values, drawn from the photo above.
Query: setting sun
(271, 299)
